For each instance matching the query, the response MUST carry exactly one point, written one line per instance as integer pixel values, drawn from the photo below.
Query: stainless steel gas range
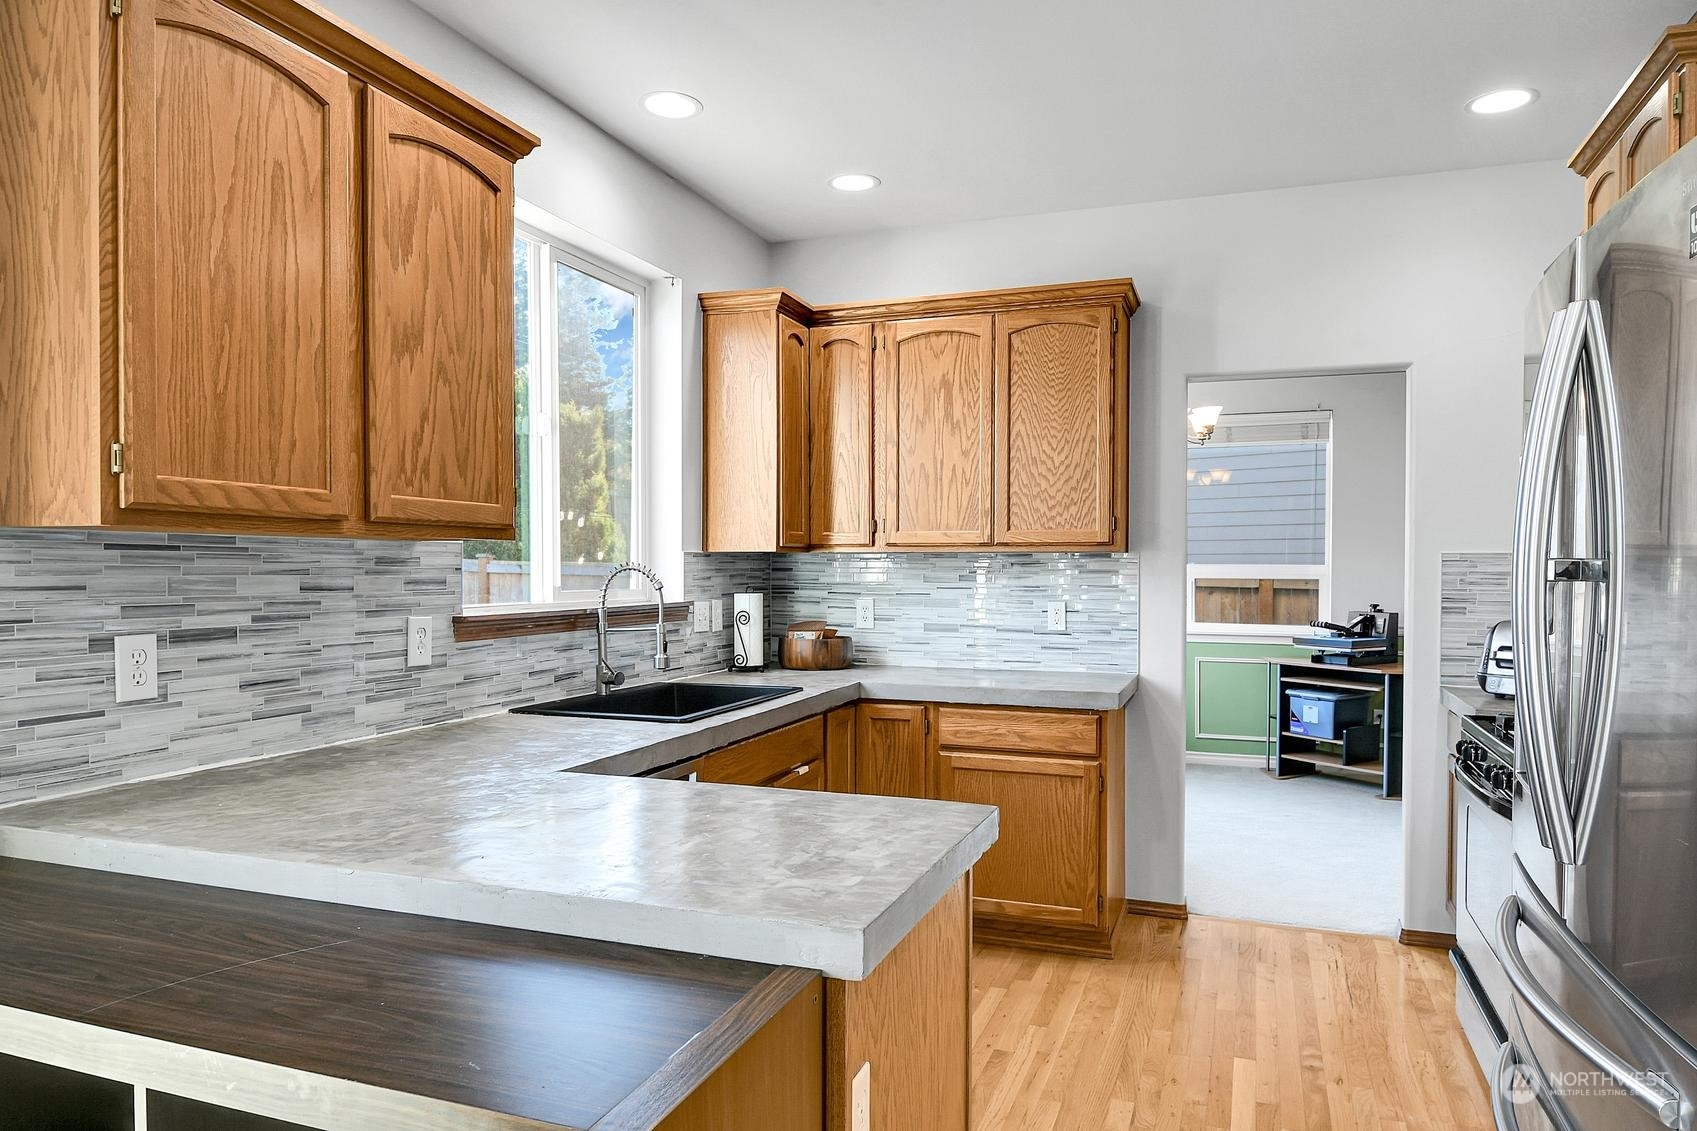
(1482, 766)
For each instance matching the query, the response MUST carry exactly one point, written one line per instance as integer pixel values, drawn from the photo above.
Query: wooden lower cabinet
(1055, 878)
(793, 752)
(774, 1082)
(1043, 866)
(889, 749)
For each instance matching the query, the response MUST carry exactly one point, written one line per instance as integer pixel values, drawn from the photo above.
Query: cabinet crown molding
(336, 41)
(1676, 48)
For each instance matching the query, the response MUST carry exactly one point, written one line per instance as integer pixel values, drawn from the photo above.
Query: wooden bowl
(829, 653)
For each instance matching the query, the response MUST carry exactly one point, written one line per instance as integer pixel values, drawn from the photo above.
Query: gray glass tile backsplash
(274, 644)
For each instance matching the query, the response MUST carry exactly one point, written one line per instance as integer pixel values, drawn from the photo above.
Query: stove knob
(1468, 752)
(1501, 777)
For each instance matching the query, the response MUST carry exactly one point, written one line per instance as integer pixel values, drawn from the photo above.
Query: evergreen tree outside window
(575, 432)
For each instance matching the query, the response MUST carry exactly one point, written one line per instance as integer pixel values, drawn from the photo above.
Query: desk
(1292, 755)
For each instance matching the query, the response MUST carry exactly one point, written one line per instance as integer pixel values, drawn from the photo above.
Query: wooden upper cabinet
(1646, 124)
(936, 401)
(793, 439)
(439, 322)
(1055, 450)
(754, 437)
(989, 420)
(212, 215)
(238, 381)
(840, 376)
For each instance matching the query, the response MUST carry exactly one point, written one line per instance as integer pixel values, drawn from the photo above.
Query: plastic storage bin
(1324, 713)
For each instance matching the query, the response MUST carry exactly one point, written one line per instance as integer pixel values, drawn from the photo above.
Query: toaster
(1496, 661)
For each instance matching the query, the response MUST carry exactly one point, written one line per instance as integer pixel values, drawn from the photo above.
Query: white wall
(1426, 273)
(1367, 472)
(591, 181)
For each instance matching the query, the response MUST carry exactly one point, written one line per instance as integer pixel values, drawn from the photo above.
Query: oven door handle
(1472, 787)
(1650, 1091)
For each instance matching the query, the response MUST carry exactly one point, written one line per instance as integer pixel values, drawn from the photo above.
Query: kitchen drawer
(766, 757)
(808, 776)
(1029, 732)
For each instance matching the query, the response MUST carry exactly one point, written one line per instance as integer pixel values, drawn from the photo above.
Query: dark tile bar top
(299, 1008)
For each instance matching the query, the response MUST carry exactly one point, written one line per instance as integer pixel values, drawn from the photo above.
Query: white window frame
(546, 253)
(1321, 573)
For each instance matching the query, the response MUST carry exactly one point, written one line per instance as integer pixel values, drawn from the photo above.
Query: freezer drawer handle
(1509, 1067)
(1650, 1090)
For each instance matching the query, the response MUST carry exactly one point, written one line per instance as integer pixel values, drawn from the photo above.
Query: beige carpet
(1315, 851)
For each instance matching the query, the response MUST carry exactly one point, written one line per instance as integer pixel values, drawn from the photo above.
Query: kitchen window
(581, 386)
(1259, 514)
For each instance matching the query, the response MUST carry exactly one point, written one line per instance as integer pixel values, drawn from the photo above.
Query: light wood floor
(1220, 1024)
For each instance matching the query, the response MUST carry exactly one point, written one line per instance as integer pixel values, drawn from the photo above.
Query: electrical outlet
(135, 664)
(418, 642)
(865, 613)
(703, 614)
(718, 614)
(1057, 619)
(860, 1099)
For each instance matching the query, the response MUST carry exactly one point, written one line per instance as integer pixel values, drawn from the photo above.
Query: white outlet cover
(1057, 616)
(860, 1099)
(419, 642)
(865, 613)
(135, 666)
(718, 614)
(703, 617)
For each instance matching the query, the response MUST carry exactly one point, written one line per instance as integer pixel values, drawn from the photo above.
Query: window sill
(543, 621)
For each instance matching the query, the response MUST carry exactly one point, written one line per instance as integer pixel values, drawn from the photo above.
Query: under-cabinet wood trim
(980, 302)
(336, 41)
(1678, 44)
(541, 622)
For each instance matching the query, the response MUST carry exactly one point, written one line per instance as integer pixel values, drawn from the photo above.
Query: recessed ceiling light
(1502, 101)
(854, 182)
(671, 104)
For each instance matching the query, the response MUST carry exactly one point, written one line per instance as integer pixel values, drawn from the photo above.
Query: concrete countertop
(474, 820)
(1469, 699)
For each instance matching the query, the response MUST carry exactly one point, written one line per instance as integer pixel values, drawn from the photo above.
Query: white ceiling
(976, 108)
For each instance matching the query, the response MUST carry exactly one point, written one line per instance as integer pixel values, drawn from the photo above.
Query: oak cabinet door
(936, 410)
(1055, 426)
(792, 434)
(1043, 866)
(889, 749)
(439, 323)
(840, 374)
(1644, 142)
(238, 386)
(1604, 186)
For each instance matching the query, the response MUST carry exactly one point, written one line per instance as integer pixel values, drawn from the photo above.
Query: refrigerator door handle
(1503, 1098)
(1533, 507)
(1649, 1089)
(1611, 501)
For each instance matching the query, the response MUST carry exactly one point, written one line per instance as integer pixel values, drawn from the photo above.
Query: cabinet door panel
(935, 409)
(840, 372)
(1644, 142)
(792, 434)
(1603, 187)
(238, 384)
(439, 309)
(890, 750)
(1043, 866)
(1055, 426)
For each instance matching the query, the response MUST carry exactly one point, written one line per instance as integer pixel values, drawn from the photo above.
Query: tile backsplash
(265, 645)
(968, 610)
(1475, 596)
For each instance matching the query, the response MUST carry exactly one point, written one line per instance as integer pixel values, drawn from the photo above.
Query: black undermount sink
(660, 702)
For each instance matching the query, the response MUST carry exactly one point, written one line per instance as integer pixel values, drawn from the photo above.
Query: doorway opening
(1295, 518)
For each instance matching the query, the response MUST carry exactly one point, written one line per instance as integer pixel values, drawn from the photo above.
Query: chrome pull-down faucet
(606, 678)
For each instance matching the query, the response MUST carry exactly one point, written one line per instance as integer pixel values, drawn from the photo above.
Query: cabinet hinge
(1101, 785)
(116, 459)
(1099, 905)
(114, 8)
(1678, 103)
(1113, 522)
(927, 723)
(874, 528)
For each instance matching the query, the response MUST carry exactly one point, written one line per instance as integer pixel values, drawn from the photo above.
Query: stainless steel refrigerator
(1599, 939)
